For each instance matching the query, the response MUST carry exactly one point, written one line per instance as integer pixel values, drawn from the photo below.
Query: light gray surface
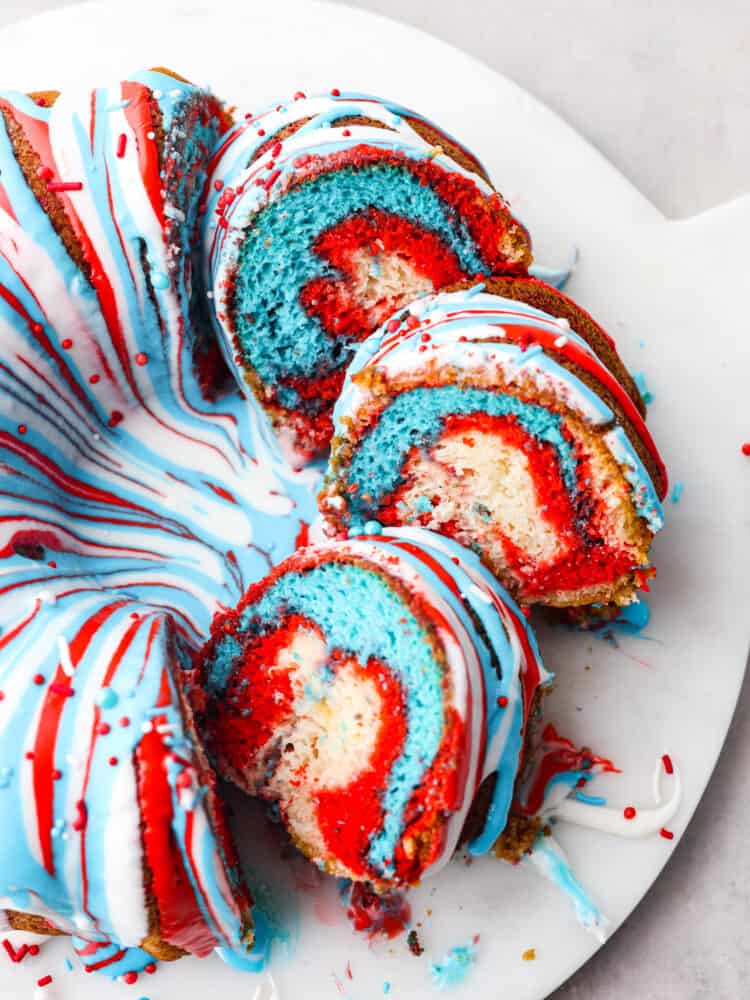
(663, 89)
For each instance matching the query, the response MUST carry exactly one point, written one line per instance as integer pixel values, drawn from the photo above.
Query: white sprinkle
(209, 295)
(157, 94)
(165, 728)
(481, 594)
(47, 597)
(151, 135)
(562, 323)
(81, 921)
(147, 727)
(97, 437)
(175, 93)
(65, 659)
(561, 341)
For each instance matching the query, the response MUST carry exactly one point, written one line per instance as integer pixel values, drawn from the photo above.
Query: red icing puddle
(386, 915)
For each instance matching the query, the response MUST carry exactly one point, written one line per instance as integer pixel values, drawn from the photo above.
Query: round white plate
(670, 293)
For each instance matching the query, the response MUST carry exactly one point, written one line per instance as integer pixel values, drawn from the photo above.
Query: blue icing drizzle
(415, 419)
(549, 859)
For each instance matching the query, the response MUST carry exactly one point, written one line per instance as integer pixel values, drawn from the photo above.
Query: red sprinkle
(141, 359)
(44, 981)
(221, 221)
(67, 344)
(103, 728)
(93, 379)
(39, 678)
(115, 419)
(15, 956)
(667, 762)
(22, 428)
(56, 775)
(502, 701)
(261, 131)
(29, 755)
(346, 132)
(218, 184)
(336, 92)
(45, 173)
(300, 96)
(130, 978)
(65, 186)
(746, 448)
(113, 761)
(124, 721)
(392, 326)
(629, 812)
(667, 834)
(52, 564)
(150, 968)
(41, 102)
(33, 950)
(122, 143)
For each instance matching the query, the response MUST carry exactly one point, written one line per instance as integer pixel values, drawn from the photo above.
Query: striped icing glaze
(305, 250)
(131, 509)
(457, 596)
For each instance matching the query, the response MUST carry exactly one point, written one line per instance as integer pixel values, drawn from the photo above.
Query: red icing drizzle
(46, 736)
(180, 918)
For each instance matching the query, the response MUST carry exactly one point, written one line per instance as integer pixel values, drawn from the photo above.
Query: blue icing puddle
(454, 967)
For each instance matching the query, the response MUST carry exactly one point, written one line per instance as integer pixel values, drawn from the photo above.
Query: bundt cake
(125, 523)
(501, 415)
(324, 215)
(377, 691)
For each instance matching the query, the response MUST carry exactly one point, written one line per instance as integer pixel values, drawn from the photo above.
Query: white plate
(675, 289)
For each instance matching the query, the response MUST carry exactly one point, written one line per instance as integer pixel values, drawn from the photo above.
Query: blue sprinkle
(373, 528)
(107, 698)
(454, 967)
(386, 987)
(677, 492)
(590, 800)
(474, 290)
(641, 344)
(68, 965)
(355, 529)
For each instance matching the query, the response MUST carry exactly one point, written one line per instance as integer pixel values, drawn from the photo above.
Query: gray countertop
(663, 90)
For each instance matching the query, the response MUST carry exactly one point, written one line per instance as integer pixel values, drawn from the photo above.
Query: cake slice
(324, 215)
(501, 415)
(377, 690)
